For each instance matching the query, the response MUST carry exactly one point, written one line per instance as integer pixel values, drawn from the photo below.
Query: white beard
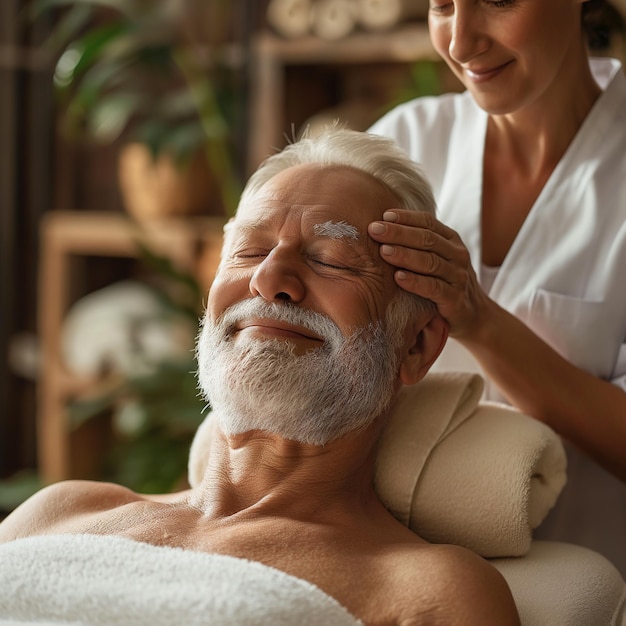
(257, 384)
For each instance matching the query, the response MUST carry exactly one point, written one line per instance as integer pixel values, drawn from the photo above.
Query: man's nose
(278, 278)
(468, 36)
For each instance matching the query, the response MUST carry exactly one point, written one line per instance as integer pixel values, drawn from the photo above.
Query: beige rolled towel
(333, 19)
(290, 18)
(487, 484)
(456, 470)
(379, 15)
(423, 415)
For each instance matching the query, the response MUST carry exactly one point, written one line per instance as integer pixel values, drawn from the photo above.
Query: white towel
(479, 475)
(105, 581)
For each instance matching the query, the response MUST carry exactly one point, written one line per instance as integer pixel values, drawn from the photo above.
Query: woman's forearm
(584, 409)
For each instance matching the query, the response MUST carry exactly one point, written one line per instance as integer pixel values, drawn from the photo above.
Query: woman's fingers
(419, 262)
(420, 244)
(432, 262)
(428, 287)
(420, 232)
(417, 219)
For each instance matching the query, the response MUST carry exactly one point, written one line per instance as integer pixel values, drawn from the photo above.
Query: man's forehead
(345, 193)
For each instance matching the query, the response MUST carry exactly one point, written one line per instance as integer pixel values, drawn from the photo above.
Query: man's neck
(257, 473)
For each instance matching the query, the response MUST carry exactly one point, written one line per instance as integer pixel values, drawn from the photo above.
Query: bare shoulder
(57, 505)
(462, 588)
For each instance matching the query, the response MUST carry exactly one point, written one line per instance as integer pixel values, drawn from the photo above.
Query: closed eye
(501, 4)
(331, 265)
(251, 254)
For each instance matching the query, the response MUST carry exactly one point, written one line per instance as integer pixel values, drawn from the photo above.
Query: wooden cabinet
(65, 236)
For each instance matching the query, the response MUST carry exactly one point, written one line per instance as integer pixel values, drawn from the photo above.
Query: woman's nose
(468, 36)
(277, 278)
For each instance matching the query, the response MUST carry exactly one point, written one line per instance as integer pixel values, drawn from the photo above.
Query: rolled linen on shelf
(124, 328)
(385, 14)
(333, 19)
(456, 470)
(290, 18)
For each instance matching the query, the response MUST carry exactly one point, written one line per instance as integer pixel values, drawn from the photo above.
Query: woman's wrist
(481, 327)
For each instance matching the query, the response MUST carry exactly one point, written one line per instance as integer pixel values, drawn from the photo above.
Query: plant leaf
(111, 115)
(82, 53)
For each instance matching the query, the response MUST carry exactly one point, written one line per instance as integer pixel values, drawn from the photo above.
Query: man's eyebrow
(344, 232)
(329, 229)
(336, 230)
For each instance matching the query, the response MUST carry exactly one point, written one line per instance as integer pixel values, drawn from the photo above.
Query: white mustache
(317, 323)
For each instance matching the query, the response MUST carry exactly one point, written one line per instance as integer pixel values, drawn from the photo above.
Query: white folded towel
(479, 475)
(100, 580)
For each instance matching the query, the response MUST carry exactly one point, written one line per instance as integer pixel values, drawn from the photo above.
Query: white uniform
(565, 274)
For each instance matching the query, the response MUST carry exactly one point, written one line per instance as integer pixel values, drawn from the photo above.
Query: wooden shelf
(65, 235)
(410, 42)
(271, 57)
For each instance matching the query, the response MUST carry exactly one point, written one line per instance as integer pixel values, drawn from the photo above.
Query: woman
(529, 270)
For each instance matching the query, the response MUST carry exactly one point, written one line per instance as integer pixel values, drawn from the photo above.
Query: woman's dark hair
(600, 21)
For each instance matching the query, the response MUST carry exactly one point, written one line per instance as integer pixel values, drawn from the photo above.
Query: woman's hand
(433, 263)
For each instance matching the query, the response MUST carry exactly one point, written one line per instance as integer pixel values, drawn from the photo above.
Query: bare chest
(361, 574)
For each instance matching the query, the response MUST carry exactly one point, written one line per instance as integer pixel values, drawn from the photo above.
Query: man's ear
(429, 340)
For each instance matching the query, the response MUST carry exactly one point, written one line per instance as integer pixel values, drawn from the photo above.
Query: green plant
(152, 71)
(148, 71)
(154, 419)
(423, 80)
(153, 414)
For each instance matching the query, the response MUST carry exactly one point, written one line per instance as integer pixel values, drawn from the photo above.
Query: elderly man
(305, 342)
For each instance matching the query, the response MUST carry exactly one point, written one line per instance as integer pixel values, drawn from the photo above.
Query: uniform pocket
(588, 333)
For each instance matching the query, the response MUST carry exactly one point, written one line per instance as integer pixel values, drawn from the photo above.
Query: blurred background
(127, 130)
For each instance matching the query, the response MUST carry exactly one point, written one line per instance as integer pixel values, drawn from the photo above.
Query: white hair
(377, 156)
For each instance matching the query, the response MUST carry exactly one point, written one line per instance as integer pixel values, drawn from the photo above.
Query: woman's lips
(481, 75)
